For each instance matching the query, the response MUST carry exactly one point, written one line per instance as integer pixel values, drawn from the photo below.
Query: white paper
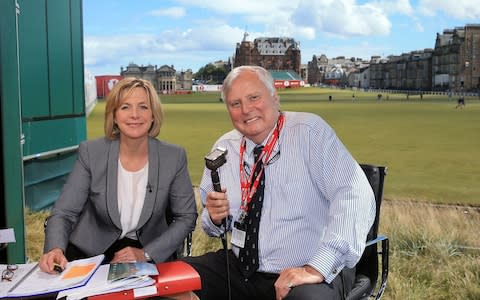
(18, 274)
(99, 284)
(7, 236)
(145, 291)
(39, 282)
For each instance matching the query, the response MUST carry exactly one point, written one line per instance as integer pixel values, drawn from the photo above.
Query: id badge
(238, 235)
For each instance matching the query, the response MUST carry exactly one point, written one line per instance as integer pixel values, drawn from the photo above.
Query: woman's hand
(50, 259)
(129, 254)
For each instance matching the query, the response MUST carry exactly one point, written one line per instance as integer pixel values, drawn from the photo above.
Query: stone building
(456, 59)
(470, 59)
(454, 64)
(316, 69)
(359, 77)
(409, 71)
(336, 75)
(272, 53)
(165, 79)
(333, 71)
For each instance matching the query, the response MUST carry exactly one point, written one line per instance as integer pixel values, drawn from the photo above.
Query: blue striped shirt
(318, 205)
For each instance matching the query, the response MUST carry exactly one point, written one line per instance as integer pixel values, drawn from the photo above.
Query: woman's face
(134, 115)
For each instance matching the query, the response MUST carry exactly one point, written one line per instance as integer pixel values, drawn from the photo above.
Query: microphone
(149, 188)
(213, 161)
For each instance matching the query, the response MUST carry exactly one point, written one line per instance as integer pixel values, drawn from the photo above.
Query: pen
(57, 268)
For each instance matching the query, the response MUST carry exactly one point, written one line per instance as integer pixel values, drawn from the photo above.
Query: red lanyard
(248, 184)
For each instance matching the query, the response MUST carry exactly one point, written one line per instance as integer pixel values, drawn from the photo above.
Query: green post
(13, 199)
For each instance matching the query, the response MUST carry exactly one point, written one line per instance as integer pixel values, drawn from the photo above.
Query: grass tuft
(434, 252)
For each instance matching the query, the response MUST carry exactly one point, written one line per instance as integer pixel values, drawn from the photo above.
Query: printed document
(99, 284)
(29, 280)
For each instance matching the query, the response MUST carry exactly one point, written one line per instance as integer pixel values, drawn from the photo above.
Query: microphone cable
(223, 236)
(214, 160)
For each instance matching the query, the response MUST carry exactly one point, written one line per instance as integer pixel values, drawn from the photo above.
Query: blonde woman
(129, 195)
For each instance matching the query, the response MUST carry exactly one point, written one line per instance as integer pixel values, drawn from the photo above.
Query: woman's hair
(263, 75)
(122, 89)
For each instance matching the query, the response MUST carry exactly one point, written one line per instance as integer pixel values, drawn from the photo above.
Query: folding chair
(367, 268)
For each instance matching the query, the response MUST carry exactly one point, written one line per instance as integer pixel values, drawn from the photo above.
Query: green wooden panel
(60, 57)
(53, 81)
(43, 196)
(41, 169)
(45, 177)
(12, 198)
(47, 135)
(77, 57)
(33, 58)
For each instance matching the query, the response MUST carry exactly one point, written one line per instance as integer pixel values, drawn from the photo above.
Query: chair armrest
(378, 239)
(384, 253)
(185, 249)
(188, 244)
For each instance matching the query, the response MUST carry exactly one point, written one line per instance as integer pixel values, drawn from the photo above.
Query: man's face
(252, 108)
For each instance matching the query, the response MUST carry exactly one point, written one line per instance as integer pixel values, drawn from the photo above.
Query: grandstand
(286, 79)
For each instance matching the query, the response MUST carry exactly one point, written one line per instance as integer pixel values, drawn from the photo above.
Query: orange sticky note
(78, 271)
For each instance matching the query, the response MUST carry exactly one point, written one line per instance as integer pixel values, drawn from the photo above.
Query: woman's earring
(115, 129)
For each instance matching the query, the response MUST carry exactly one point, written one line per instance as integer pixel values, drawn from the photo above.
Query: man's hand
(290, 278)
(217, 206)
(50, 259)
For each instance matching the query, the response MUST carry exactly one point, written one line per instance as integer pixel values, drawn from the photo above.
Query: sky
(189, 34)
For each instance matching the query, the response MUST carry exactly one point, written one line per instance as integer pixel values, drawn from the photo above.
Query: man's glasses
(269, 162)
(7, 274)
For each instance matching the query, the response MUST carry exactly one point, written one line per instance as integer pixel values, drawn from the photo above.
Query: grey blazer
(86, 213)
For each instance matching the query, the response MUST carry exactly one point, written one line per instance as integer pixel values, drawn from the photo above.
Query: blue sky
(189, 34)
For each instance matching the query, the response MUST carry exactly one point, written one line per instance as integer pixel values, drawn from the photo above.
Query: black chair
(185, 248)
(367, 268)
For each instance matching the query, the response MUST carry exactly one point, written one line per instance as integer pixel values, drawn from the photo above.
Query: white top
(131, 196)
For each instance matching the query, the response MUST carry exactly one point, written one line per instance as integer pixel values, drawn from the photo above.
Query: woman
(129, 195)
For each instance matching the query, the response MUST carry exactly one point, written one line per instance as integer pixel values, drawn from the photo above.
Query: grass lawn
(431, 151)
(429, 146)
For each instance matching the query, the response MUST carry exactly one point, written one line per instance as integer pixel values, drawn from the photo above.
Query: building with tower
(271, 53)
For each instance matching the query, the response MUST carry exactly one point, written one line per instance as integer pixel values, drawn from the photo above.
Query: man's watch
(147, 256)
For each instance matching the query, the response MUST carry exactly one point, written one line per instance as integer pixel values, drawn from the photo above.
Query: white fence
(207, 88)
(90, 92)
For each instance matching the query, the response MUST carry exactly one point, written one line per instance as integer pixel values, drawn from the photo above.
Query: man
(311, 198)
